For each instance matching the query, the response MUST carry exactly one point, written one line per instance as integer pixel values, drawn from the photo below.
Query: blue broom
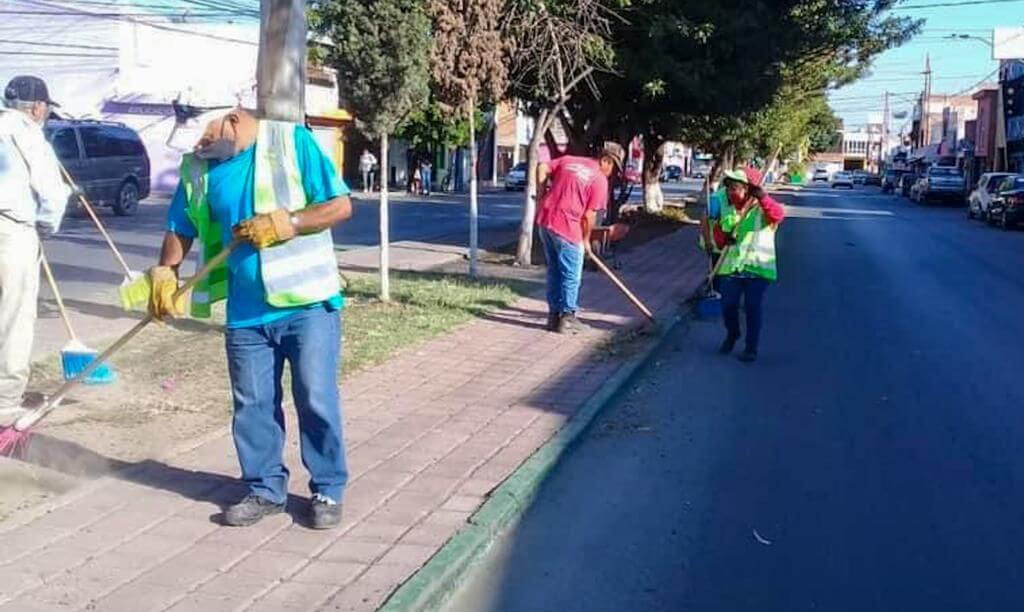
(75, 357)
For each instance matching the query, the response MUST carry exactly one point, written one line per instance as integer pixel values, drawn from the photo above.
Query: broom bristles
(12, 441)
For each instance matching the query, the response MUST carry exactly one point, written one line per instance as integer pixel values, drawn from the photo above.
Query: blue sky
(956, 64)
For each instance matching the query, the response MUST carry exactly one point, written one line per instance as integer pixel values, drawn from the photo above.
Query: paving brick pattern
(430, 433)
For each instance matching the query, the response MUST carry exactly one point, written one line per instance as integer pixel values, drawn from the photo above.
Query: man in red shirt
(571, 190)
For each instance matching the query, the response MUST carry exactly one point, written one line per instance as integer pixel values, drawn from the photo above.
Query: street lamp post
(984, 41)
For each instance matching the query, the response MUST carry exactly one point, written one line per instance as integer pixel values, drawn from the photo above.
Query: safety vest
(754, 249)
(299, 272)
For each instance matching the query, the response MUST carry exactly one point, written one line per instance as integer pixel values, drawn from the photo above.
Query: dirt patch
(173, 389)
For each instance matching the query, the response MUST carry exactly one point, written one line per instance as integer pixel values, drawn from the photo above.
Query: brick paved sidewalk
(429, 433)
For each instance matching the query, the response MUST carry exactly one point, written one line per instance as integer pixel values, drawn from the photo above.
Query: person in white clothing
(367, 163)
(33, 198)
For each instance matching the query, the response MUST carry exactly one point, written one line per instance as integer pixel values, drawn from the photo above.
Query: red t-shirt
(577, 187)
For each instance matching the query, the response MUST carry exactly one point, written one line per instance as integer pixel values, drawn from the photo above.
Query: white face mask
(218, 150)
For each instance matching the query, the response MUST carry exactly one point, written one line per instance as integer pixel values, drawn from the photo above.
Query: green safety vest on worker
(299, 272)
(754, 249)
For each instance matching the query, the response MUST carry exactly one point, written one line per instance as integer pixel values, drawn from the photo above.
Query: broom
(75, 357)
(134, 290)
(14, 437)
(620, 285)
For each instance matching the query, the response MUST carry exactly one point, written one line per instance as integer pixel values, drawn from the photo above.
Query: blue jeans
(310, 342)
(425, 179)
(565, 271)
(751, 289)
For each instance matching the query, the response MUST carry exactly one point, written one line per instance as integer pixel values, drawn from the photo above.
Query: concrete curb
(431, 585)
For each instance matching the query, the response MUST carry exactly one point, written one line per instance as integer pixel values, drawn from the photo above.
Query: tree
(468, 68)
(699, 69)
(380, 49)
(554, 48)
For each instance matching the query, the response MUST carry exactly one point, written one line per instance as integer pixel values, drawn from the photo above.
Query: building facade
(132, 61)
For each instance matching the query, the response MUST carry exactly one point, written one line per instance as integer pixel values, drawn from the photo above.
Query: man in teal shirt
(261, 338)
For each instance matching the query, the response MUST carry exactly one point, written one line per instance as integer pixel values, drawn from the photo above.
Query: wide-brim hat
(738, 176)
(616, 153)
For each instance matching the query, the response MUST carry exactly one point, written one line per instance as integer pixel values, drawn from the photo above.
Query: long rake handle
(621, 286)
(96, 220)
(56, 294)
(28, 420)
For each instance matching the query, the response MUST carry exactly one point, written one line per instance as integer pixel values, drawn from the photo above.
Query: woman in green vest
(750, 219)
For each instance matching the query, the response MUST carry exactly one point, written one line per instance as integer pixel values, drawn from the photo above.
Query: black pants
(751, 289)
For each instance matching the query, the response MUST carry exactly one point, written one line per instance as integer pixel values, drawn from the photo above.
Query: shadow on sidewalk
(74, 460)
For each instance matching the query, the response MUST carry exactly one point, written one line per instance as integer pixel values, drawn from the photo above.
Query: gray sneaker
(250, 510)
(324, 513)
(570, 324)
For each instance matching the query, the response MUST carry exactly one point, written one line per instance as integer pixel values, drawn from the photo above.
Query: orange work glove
(163, 285)
(267, 229)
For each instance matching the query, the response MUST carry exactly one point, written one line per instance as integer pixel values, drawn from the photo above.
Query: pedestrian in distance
(426, 175)
(750, 219)
(415, 186)
(33, 199)
(367, 165)
(269, 186)
(571, 190)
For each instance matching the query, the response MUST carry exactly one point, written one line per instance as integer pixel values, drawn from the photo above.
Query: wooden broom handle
(56, 294)
(621, 286)
(96, 220)
(26, 421)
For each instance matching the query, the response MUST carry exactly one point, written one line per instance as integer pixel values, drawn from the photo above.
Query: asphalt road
(85, 267)
(869, 461)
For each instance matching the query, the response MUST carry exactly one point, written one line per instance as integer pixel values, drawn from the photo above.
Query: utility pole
(926, 122)
(281, 67)
(883, 147)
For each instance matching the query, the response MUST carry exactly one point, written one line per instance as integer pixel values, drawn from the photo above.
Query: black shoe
(748, 356)
(553, 320)
(250, 510)
(324, 515)
(728, 344)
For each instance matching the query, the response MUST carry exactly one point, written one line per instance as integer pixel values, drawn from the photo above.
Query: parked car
(1007, 207)
(889, 180)
(820, 174)
(515, 179)
(842, 179)
(906, 181)
(106, 159)
(873, 179)
(941, 183)
(981, 198)
(671, 173)
(699, 173)
(860, 177)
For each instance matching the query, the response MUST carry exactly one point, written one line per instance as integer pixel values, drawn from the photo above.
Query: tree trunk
(281, 63)
(654, 157)
(524, 250)
(473, 204)
(385, 227)
(773, 162)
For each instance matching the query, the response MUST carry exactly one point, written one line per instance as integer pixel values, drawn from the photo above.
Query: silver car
(980, 200)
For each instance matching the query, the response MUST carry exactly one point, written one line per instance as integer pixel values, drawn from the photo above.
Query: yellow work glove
(267, 229)
(164, 284)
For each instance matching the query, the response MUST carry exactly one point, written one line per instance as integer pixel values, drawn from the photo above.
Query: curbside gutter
(432, 584)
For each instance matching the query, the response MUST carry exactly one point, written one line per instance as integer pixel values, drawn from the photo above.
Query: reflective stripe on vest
(754, 251)
(300, 272)
(303, 270)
